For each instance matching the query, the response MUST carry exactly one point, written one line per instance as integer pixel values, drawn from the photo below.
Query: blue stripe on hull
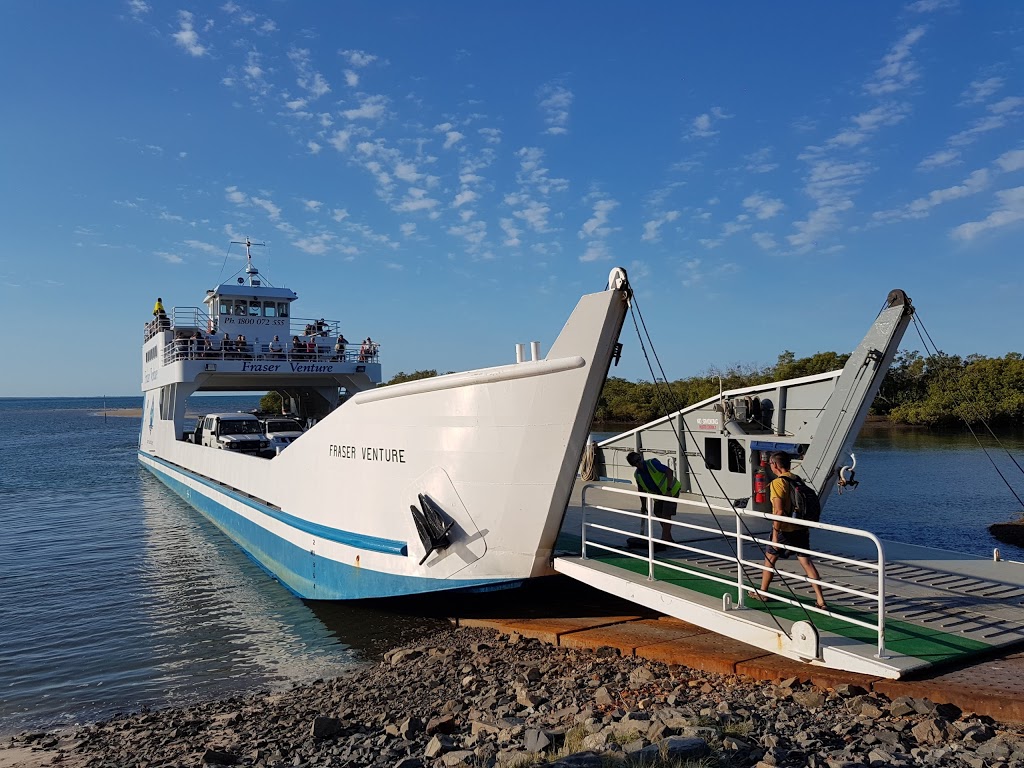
(304, 573)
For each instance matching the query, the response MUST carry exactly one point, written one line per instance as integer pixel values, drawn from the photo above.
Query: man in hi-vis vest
(652, 476)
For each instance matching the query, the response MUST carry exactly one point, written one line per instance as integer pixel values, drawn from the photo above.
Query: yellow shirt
(780, 490)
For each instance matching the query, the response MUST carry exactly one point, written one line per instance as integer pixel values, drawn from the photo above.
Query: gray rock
(931, 731)
(479, 726)
(535, 740)
(325, 727)
(458, 757)
(902, 706)
(640, 675)
(579, 760)
(438, 745)
(675, 748)
(218, 757)
(809, 699)
(409, 727)
(977, 733)
(847, 690)
(441, 724)
(870, 711)
(602, 697)
(595, 740)
(994, 748)
(403, 655)
(633, 746)
(527, 699)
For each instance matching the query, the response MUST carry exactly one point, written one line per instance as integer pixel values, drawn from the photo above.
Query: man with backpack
(789, 495)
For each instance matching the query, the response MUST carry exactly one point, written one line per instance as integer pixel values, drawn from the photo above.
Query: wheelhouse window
(240, 307)
(270, 309)
(282, 309)
(254, 309)
(225, 307)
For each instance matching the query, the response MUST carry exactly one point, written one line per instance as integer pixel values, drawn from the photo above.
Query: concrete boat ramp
(892, 608)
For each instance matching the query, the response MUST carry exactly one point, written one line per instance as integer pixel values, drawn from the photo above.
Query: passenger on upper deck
(311, 348)
(242, 348)
(227, 346)
(180, 345)
(339, 347)
(321, 327)
(158, 307)
(298, 349)
(275, 349)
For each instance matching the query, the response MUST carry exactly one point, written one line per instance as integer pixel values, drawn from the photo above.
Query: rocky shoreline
(472, 697)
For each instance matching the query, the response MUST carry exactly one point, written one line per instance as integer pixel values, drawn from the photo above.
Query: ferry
(458, 482)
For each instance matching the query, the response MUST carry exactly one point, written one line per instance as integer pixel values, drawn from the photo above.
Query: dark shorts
(799, 538)
(663, 509)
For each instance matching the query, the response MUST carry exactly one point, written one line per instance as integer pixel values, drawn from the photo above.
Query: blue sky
(449, 177)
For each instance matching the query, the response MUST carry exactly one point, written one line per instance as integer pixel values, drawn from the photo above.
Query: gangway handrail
(740, 536)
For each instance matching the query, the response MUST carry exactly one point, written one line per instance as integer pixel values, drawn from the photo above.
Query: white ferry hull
(495, 449)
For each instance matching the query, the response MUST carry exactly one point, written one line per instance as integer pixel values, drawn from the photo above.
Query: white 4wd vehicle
(281, 432)
(239, 432)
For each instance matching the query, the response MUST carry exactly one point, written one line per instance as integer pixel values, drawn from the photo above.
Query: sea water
(115, 594)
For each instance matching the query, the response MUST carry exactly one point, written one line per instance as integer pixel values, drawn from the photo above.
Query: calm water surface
(114, 594)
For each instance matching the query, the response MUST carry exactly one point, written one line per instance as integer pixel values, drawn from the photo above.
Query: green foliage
(940, 390)
(401, 377)
(271, 402)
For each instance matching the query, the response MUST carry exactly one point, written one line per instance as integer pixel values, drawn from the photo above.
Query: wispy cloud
(898, 69)
(652, 228)
(199, 245)
(358, 59)
(939, 159)
(867, 123)
(555, 100)
(315, 245)
(186, 36)
(763, 207)
(704, 125)
(308, 79)
(1011, 161)
(370, 108)
(138, 8)
(170, 258)
(979, 91)
(1010, 211)
(919, 208)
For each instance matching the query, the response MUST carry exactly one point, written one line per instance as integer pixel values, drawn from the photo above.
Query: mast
(251, 271)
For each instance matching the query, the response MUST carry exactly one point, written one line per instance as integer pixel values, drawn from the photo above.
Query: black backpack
(803, 501)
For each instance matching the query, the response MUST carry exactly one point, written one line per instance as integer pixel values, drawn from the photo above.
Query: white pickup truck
(241, 432)
(281, 431)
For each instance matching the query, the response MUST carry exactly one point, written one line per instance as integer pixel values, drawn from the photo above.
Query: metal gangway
(891, 608)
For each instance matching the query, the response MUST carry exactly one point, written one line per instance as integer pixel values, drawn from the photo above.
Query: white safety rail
(736, 540)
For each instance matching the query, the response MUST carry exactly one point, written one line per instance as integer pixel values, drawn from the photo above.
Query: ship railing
(735, 556)
(191, 318)
(198, 349)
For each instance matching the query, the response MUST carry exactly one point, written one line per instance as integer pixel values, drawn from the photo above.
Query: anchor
(431, 525)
